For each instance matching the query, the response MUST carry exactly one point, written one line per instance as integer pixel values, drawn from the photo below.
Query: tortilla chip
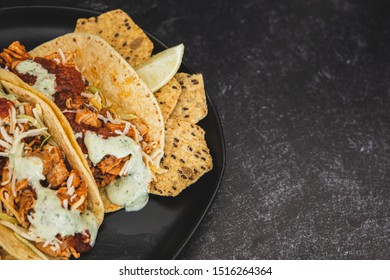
(120, 31)
(192, 106)
(186, 158)
(167, 97)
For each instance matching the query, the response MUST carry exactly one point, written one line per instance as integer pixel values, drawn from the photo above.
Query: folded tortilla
(131, 106)
(50, 205)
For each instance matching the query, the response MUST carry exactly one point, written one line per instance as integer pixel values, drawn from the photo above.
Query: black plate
(162, 228)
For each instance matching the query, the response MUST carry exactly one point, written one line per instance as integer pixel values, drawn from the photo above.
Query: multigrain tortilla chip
(167, 97)
(186, 158)
(120, 31)
(191, 106)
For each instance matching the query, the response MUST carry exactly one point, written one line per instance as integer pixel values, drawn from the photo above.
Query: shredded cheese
(73, 197)
(10, 170)
(127, 128)
(69, 181)
(13, 186)
(5, 144)
(70, 191)
(125, 168)
(65, 203)
(62, 55)
(21, 110)
(13, 120)
(86, 95)
(69, 111)
(78, 203)
(5, 135)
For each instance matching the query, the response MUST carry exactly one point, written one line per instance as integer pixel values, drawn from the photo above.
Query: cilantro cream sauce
(130, 191)
(45, 83)
(50, 218)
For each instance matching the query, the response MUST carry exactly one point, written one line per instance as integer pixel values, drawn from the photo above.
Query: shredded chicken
(112, 165)
(101, 179)
(68, 246)
(14, 53)
(86, 116)
(79, 190)
(75, 103)
(53, 165)
(28, 110)
(114, 127)
(142, 127)
(26, 203)
(57, 175)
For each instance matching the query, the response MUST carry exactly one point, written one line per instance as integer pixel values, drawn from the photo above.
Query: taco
(49, 204)
(109, 114)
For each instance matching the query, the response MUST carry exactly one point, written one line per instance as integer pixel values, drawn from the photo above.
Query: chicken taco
(109, 114)
(49, 204)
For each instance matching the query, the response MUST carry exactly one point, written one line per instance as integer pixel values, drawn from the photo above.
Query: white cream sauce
(130, 191)
(98, 147)
(78, 135)
(49, 217)
(45, 83)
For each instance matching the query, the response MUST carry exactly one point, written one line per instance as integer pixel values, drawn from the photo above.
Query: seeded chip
(186, 158)
(167, 97)
(192, 106)
(120, 31)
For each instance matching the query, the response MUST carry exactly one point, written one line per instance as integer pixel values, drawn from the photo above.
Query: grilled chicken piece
(53, 165)
(57, 175)
(86, 116)
(50, 155)
(28, 110)
(75, 102)
(76, 178)
(120, 126)
(101, 179)
(14, 52)
(142, 128)
(26, 203)
(112, 165)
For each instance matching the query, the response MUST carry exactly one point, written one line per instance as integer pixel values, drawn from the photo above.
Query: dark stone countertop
(303, 91)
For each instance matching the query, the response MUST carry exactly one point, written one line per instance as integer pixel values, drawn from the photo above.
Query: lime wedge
(160, 68)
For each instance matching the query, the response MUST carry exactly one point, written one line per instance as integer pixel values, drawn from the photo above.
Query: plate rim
(210, 101)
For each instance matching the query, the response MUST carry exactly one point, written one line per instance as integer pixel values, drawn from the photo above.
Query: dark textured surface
(303, 91)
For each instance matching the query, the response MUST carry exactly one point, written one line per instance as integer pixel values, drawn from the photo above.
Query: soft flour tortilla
(59, 136)
(11, 246)
(104, 68)
(121, 86)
